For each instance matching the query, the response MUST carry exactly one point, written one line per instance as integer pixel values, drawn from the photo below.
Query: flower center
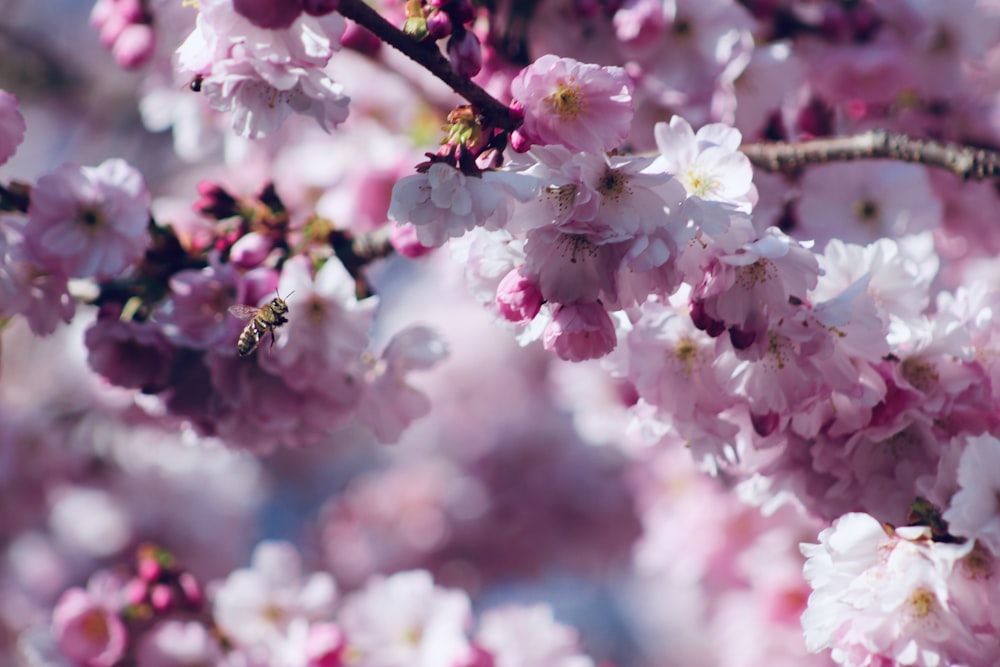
(755, 274)
(922, 602)
(686, 351)
(698, 183)
(567, 101)
(574, 244)
(563, 197)
(612, 184)
(95, 627)
(90, 217)
(920, 374)
(867, 211)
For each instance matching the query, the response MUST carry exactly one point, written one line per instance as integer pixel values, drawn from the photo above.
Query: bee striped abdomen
(251, 336)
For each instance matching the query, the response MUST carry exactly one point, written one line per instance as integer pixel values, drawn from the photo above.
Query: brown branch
(964, 161)
(430, 57)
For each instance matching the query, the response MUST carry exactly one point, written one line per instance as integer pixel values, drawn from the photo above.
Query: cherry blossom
(89, 221)
(583, 107)
(12, 126)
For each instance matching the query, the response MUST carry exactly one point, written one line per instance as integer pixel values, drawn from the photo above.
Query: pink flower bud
(325, 646)
(519, 142)
(86, 632)
(215, 202)
(360, 39)
(250, 250)
(193, 594)
(580, 331)
(518, 298)
(462, 11)
(319, 7)
(404, 239)
(465, 54)
(134, 46)
(135, 591)
(161, 597)
(150, 569)
(439, 24)
(268, 14)
(477, 657)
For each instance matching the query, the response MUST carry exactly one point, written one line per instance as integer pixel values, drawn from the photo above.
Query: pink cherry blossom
(89, 221)
(580, 331)
(12, 126)
(444, 203)
(866, 202)
(583, 107)
(972, 513)
(388, 403)
(518, 299)
(256, 605)
(405, 621)
(519, 637)
(173, 643)
(883, 595)
(88, 629)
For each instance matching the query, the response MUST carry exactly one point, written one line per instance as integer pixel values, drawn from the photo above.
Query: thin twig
(964, 161)
(430, 57)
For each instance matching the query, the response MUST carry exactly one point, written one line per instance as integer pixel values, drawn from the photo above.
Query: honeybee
(262, 321)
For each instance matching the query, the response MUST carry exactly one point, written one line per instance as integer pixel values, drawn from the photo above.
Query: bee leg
(272, 342)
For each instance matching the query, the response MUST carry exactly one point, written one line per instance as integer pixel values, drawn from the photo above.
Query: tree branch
(964, 161)
(430, 57)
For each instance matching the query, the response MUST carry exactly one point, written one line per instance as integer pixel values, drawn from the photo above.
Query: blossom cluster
(273, 613)
(822, 342)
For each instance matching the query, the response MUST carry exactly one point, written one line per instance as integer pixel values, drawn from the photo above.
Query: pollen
(922, 602)
(778, 348)
(317, 310)
(687, 353)
(755, 274)
(920, 374)
(577, 245)
(562, 197)
(95, 627)
(90, 217)
(568, 101)
(699, 183)
(612, 184)
(867, 211)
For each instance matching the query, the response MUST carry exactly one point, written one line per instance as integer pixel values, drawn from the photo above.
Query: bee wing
(243, 311)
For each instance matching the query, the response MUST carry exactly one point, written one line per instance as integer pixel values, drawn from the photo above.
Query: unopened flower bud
(319, 7)
(765, 424)
(465, 54)
(150, 569)
(161, 597)
(134, 46)
(268, 14)
(580, 331)
(250, 250)
(439, 24)
(325, 646)
(194, 596)
(702, 320)
(518, 298)
(462, 11)
(136, 591)
(215, 202)
(404, 239)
